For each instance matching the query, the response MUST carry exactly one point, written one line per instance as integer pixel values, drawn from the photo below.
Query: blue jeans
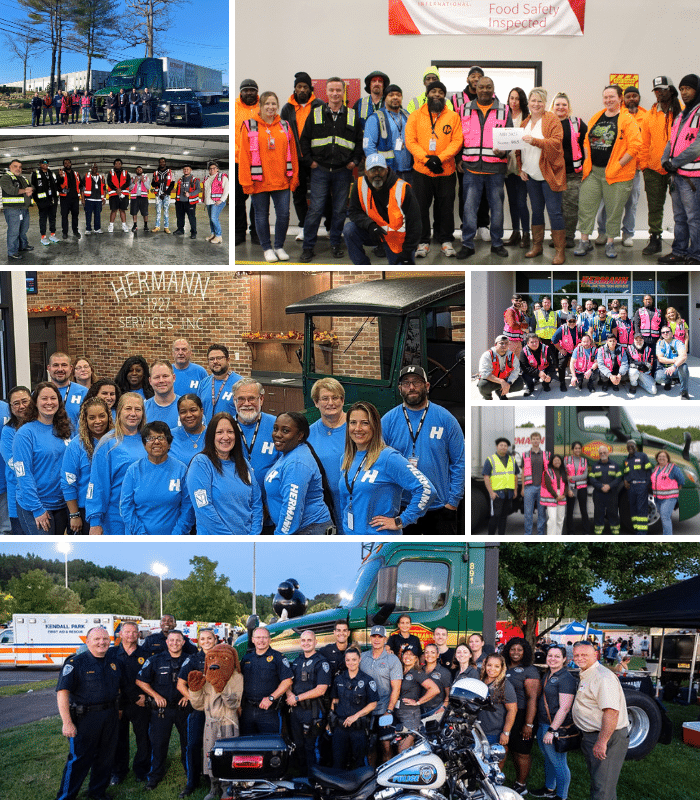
(666, 507)
(532, 500)
(556, 770)
(261, 207)
(681, 371)
(17, 219)
(516, 188)
(315, 529)
(124, 113)
(356, 238)
(214, 212)
(59, 522)
(540, 196)
(629, 215)
(474, 185)
(93, 208)
(324, 184)
(134, 113)
(86, 114)
(686, 216)
(164, 204)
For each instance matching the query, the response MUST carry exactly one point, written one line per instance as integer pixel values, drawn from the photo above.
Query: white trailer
(47, 640)
(205, 82)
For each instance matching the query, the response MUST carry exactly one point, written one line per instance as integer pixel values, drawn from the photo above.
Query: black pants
(437, 522)
(240, 212)
(582, 496)
(195, 738)
(564, 359)
(301, 205)
(70, 205)
(500, 508)
(440, 191)
(162, 722)
(305, 729)
(530, 379)
(350, 747)
(182, 209)
(91, 750)
(139, 717)
(255, 720)
(606, 383)
(47, 213)
(581, 378)
(489, 389)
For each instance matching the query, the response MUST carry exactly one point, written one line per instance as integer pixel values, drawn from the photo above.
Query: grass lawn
(15, 116)
(23, 688)
(38, 751)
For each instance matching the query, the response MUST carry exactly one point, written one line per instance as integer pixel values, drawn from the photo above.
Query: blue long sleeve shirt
(4, 419)
(439, 449)
(187, 380)
(154, 499)
(167, 414)
(110, 462)
(223, 504)
(75, 472)
(38, 457)
(223, 394)
(73, 396)
(260, 453)
(294, 492)
(7, 438)
(183, 446)
(377, 491)
(329, 444)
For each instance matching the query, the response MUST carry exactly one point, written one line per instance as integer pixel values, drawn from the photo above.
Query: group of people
(173, 449)
(553, 485)
(123, 191)
(412, 158)
(69, 106)
(603, 345)
(331, 701)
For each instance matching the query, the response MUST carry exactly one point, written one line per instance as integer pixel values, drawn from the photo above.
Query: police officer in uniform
(312, 677)
(88, 695)
(637, 475)
(355, 697)
(155, 643)
(266, 677)
(158, 679)
(606, 478)
(131, 657)
(334, 653)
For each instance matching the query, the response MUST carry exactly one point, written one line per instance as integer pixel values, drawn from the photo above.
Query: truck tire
(645, 724)
(480, 508)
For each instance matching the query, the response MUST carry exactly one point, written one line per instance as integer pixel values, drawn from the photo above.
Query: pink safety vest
(543, 363)
(567, 340)
(624, 331)
(545, 497)
(608, 358)
(680, 332)
(663, 484)
(583, 359)
(682, 138)
(577, 155)
(527, 466)
(649, 324)
(514, 334)
(478, 141)
(577, 470)
(635, 355)
(84, 101)
(217, 185)
(460, 101)
(254, 141)
(144, 188)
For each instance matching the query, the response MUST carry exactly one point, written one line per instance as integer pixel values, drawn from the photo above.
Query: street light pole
(160, 570)
(65, 548)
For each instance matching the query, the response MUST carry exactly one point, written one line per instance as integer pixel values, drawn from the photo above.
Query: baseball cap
(375, 160)
(378, 630)
(662, 82)
(419, 371)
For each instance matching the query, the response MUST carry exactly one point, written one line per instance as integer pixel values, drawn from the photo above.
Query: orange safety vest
(395, 230)
(193, 192)
(121, 182)
(503, 375)
(98, 181)
(64, 184)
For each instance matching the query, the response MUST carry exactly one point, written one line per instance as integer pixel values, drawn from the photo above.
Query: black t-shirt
(602, 138)
(397, 644)
(443, 680)
(517, 675)
(561, 682)
(411, 685)
(447, 660)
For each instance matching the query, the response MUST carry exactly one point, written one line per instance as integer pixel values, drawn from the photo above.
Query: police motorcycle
(451, 761)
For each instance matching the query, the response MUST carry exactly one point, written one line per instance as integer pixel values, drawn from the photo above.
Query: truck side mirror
(616, 423)
(251, 624)
(386, 594)
(686, 445)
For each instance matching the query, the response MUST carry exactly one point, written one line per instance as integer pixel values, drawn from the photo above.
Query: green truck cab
(385, 325)
(453, 585)
(135, 73)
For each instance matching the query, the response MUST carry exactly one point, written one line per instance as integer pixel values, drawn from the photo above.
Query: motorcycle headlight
(498, 753)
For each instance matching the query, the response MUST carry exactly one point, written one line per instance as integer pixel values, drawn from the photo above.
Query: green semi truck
(592, 426)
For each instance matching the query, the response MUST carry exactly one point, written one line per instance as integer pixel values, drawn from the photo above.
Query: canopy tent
(577, 629)
(676, 606)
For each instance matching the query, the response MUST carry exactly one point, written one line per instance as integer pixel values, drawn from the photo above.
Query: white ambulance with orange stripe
(47, 640)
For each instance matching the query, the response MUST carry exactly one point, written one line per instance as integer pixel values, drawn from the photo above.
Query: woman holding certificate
(541, 162)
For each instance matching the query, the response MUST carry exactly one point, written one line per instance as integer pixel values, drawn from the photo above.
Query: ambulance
(47, 640)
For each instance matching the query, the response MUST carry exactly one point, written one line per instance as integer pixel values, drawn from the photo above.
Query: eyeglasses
(666, 330)
(412, 384)
(156, 439)
(216, 358)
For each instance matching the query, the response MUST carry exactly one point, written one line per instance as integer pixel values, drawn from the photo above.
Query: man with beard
(93, 197)
(647, 321)
(139, 199)
(246, 105)
(216, 390)
(69, 192)
(162, 407)
(385, 134)
(45, 183)
(162, 184)
(431, 439)
(118, 191)
(383, 211)
(72, 394)
(483, 166)
(295, 112)
(431, 75)
(434, 137)
(187, 191)
(375, 85)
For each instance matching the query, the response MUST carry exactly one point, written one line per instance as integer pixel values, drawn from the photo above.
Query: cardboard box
(691, 733)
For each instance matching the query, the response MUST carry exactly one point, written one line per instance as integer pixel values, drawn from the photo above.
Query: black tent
(676, 606)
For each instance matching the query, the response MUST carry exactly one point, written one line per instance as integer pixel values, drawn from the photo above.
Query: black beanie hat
(392, 87)
(690, 80)
(632, 89)
(436, 85)
(303, 77)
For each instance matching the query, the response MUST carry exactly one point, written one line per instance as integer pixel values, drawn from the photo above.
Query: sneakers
(46, 241)
(99, 230)
(499, 251)
(610, 251)
(110, 228)
(484, 234)
(125, 227)
(422, 250)
(88, 233)
(166, 230)
(543, 792)
(300, 236)
(134, 228)
(270, 255)
(671, 258)
(448, 250)
(306, 255)
(466, 252)
(584, 248)
(53, 238)
(280, 252)
(602, 239)
(520, 788)
(628, 241)
(156, 229)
